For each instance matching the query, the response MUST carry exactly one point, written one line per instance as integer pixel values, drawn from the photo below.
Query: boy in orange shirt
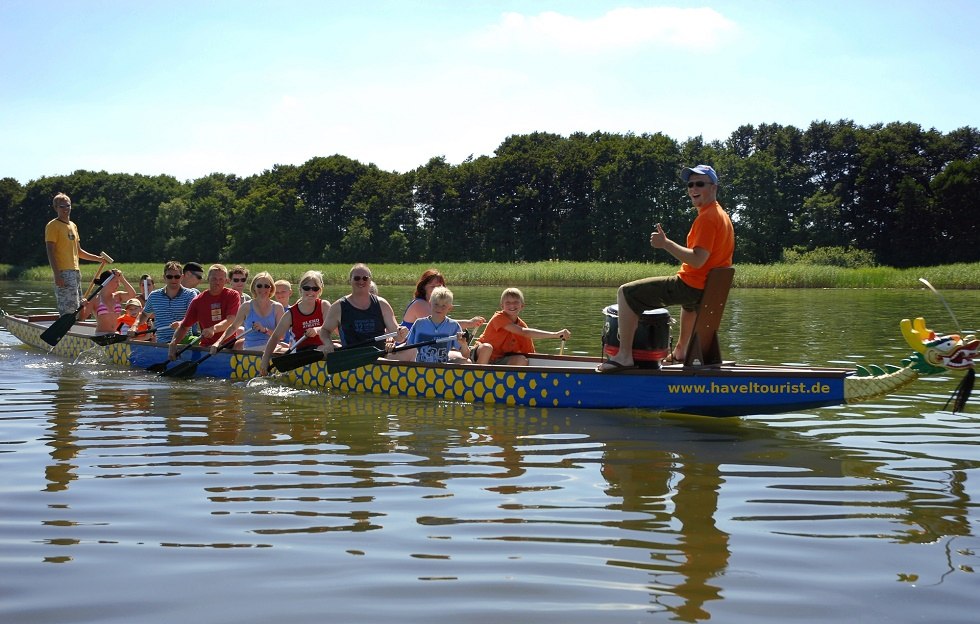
(507, 338)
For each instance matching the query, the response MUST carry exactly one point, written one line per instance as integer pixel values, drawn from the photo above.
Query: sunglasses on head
(313, 288)
(698, 184)
(172, 276)
(361, 278)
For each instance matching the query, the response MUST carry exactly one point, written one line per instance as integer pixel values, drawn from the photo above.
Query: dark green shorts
(659, 292)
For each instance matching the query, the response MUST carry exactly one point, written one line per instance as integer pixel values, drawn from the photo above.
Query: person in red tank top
(305, 318)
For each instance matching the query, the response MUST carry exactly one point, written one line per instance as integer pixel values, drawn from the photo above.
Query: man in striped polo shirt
(168, 305)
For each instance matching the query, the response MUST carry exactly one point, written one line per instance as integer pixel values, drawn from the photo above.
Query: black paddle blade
(104, 340)
(346, 359)
(289, 361)
(963, 392)
(58, 329)
(159, 367)
(184, 369)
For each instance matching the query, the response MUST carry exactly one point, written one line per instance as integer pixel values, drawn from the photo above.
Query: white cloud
(623, 28)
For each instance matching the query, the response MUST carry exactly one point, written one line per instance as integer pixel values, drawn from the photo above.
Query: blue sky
(188, 88)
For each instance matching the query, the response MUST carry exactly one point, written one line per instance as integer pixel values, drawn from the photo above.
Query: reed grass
(961, 276)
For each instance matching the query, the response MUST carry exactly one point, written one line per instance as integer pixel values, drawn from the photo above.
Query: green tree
(11, 201)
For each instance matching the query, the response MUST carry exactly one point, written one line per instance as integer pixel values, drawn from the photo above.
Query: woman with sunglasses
(304, 320)
(261, 313)
(710, 244)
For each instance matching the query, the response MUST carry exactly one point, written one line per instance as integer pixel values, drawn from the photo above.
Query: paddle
(105, 258)
(284, 357)
(159, 367)
(104, 340)
(187, 369)
(347, 359)
(59, 328)
(290, 361)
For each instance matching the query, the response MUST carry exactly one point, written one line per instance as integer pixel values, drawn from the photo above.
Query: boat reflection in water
(331, 474)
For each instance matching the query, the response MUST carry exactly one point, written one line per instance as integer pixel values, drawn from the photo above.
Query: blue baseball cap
(701, 169)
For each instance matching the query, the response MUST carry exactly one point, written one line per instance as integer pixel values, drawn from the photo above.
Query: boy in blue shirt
(439, 325)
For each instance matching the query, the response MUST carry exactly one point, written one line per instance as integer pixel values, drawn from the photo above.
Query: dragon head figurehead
(936, 353)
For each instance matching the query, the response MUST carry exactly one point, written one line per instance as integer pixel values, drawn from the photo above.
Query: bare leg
(483, 353)
(687, 328)
(628, 320)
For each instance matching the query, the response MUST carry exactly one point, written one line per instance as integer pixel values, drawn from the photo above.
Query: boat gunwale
(540, 362)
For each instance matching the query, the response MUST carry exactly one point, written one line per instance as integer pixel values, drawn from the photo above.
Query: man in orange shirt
(710, 244)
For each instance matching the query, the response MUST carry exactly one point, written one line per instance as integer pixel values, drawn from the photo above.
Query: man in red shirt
(710, 244)
(213, 310)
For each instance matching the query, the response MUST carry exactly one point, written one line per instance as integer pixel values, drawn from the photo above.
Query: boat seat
(703, 349)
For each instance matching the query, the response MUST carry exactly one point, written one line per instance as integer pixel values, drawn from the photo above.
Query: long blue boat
(724, 389)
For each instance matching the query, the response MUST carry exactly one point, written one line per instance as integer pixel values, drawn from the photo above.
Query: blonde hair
(217, 267)
(514, 293)
(441, 294)
(312, 276)
(54, 200)
(263, 275)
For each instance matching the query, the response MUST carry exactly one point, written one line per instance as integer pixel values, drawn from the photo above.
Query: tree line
(906, 195)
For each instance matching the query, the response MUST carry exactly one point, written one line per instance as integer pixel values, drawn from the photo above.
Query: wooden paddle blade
(184, 369)
(289, 361)
(58, 329)
(347, 359)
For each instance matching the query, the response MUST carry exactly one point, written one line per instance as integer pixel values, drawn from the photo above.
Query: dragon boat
(710, 389)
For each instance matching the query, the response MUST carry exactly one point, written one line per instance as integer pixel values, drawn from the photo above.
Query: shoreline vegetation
(960, 276)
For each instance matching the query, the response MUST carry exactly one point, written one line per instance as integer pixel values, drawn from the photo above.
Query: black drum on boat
(651, 343)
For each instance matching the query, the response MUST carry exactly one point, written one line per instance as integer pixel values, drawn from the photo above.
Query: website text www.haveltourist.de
(749, 387)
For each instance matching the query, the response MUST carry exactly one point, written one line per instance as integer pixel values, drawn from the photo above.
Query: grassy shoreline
(961, 276)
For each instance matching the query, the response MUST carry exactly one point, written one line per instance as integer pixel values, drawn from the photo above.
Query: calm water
(125, 497)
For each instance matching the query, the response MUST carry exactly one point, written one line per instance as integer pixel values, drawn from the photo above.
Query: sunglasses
(239, 280)
(361, 278)
(172, 276)
(197, 275)
(698, 184)
(313, 288)
(262, 285)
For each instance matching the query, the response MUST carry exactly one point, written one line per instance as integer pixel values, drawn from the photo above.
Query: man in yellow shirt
(64, 250)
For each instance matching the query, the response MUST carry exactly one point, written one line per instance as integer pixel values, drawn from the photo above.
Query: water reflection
(642, 493)
(599, 512)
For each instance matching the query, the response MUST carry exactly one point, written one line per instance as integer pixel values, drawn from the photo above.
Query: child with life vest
(127, 321)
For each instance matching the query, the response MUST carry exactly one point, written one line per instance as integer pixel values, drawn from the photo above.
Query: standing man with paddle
(213, 310)
(64, 250)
